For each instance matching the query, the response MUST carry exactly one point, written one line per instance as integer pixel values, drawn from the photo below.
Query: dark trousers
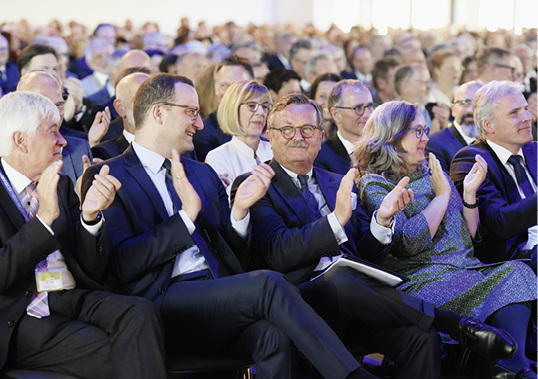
(372, 315)
(92, 334)
(256, 314)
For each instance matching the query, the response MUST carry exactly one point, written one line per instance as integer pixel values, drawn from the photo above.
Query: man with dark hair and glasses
(494, 63)
(309, 218)
(350, 104)
(446, 143)
(173, 238)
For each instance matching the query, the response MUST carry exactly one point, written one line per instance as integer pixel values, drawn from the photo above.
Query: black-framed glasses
(190, 110)
(512, 69)
(253, 106)
(420, 131)
(288, 132)
(464, 102)
(360, 108)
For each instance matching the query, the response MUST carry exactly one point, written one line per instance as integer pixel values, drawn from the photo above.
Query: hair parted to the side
(237, 94)
(380, 151)
(23, 111)
(156, 89)
(295, 99)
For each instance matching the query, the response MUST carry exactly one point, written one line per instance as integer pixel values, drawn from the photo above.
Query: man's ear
(118, 106)
(335, 114)
(20, 141)
(488, 126)
(157, 113)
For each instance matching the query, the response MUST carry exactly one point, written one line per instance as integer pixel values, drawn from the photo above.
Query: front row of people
(158, 228)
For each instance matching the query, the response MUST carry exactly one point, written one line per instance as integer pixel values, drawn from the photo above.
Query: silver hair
(23, 111)
(318, 56)
(99, 43)
(485, 99)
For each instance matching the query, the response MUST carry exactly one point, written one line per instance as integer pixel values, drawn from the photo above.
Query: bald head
(125, 94)
(45, 83)
(135, 58)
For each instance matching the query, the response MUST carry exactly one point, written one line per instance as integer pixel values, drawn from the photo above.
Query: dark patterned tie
(309, 196)
(167, 165)
(521, 175)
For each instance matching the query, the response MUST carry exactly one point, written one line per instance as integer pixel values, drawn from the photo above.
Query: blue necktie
(521, 175)
(309, 196)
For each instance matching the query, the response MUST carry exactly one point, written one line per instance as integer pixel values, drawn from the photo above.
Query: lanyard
(13, 196)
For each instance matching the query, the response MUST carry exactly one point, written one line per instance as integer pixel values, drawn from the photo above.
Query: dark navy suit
(72, 157)
(111, 148)
(9, 83)
(333, 156)
(445, 144)
(504, 216)
(210, 137)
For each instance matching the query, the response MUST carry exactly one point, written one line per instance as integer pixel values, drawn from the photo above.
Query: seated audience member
(98, 54)
(242, 114)
(206, 91)
(46, 84)
(507, 198)
(9, 74)
(228, 71)
(447, 142)
(320, 63)
(62, 51)
(383, 80)
(338, 54)
(434, 233)
(191, 65)
(446, 69)
(281, 56)
(155, 41)
(106, 94)
(320, 92)
(307, 219)
(413, 84)
(172, 235)
(350, 103)
(69, 325)
(300, 53)
(362, 64)
(494, 63)
(125, 94)
(281, 82)
(260, 71)
(413, 56)
(249, 51)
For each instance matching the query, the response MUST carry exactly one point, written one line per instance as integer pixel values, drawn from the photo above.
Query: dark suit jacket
(80, 67)
(23, 245)
(100, 97)
(333, 156)
(145, 241)
(445, 144)
(115, 129)
(210, 137)
(348, 75)
(504, 216)
(273, 62)
(288, 237)
(72, 157)
(12, 74)
(111, 148)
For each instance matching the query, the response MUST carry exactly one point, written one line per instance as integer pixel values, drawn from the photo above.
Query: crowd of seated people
(213, 177)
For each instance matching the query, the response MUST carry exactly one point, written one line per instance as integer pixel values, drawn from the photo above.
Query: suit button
(11, 323)
(28, 293)
(338, 240)
(161, 291)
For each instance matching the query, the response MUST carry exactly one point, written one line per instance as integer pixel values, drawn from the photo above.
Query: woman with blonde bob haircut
(242, 114)
(434, 234)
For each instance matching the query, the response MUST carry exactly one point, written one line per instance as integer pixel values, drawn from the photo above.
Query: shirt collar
(465, 137)
(295, 177)
(128, 136)
(504, 154)
(350, 146)
(18, 181)
(110, 89)
(151, 160)
(102, 78)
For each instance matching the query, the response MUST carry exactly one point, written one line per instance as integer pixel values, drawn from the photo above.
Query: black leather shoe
(486, 340)
(500, 372)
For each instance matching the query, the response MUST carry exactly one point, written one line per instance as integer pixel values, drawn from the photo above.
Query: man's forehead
(356, 94)
(507, 103)
(45, 61)
(186, 94)
(297, 114)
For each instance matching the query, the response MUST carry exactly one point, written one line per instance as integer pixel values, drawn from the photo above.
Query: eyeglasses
(252, 106)
(190, 110)
(464, 102)
(512, 69)
(360, 108)
(288, 132)
(419, 132)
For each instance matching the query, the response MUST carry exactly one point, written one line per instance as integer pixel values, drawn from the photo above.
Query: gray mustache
(297, 143)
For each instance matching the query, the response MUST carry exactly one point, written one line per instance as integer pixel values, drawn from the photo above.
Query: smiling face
(178, 127)
(413, 146)
(350, 125)
(511, 127)
(298, 153)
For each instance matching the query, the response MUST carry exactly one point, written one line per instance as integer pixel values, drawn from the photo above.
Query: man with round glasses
(446, 143)
(351, 104)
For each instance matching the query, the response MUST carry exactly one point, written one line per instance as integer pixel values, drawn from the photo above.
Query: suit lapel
(328, 186)
(287, 190)
(509, 184)
(458, 136)
(529, 150)
(122, 143)
(136, 170)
